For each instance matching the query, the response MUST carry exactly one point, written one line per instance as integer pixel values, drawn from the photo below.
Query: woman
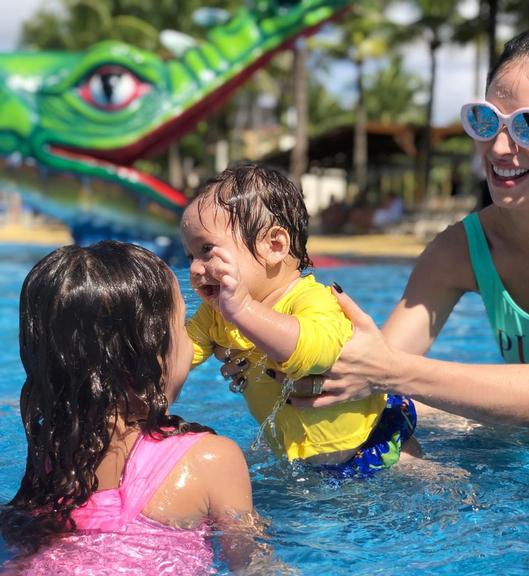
(487, 253)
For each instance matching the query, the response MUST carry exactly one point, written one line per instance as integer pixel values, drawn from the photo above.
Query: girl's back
(115, 535)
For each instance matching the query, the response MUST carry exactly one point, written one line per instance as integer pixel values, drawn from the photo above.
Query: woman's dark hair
(94, 335)
(515, 49)
(256, 198)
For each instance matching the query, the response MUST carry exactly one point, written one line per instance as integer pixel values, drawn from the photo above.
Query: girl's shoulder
(208, 451)
(208, 473)
(218, 460)
(213, 447)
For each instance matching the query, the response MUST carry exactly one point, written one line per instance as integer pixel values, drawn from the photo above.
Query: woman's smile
(507, 176)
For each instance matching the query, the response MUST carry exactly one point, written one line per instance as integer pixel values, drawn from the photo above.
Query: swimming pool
(422, 521)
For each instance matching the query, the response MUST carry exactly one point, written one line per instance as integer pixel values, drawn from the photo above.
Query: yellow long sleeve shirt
(324, 330)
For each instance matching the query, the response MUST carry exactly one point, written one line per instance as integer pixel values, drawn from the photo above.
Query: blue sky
(455, 67)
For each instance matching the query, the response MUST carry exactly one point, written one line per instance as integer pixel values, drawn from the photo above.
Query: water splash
(261, 362)
(269, 422)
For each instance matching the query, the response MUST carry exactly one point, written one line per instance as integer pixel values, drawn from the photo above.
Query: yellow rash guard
(323, 331)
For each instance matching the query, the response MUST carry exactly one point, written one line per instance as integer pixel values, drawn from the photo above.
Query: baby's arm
(274, 333)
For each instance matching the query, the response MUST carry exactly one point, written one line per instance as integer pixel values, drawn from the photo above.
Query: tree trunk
(478, 87)
(478, 46)
(425, 153)
(360, 158)
(176, 172)
(491, 30)
(299, 157)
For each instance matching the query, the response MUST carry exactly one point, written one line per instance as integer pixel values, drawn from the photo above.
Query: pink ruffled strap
(148, 465)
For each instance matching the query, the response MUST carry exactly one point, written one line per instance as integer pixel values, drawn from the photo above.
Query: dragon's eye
(112, 87)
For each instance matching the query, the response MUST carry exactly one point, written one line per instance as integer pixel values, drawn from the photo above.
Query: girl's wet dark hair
(515, 49)
(95, 330)
(256, 198)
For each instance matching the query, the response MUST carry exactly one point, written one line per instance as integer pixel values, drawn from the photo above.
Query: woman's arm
(441, 275)
(494, 393)
(391, 361)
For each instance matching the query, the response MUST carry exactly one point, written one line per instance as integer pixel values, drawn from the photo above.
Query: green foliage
(518, 13)
(77, 24)
(364, 35)
(390, 93)
(460, 145)
(325, 111)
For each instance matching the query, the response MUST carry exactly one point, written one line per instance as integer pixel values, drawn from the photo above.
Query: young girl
(246, 235)
(112, 482)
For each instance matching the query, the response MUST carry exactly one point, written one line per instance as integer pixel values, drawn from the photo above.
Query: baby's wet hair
(256, 198)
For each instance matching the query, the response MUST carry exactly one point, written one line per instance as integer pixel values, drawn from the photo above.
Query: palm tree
(492, 15)
(299, 156)
(390, 93)
(519, 12)
(82, 23)
(435, 22)
(365, 36)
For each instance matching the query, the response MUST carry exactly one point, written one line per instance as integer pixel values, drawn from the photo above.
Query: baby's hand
(233, 292)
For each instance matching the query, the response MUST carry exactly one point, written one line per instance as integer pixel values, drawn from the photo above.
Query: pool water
(465, 510)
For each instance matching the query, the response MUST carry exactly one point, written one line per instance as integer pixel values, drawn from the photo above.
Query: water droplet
(269, 422)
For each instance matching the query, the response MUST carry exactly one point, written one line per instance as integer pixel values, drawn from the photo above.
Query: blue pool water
(465, 511)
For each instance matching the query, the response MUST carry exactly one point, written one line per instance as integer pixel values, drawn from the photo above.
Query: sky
(14, 12)
(455, 64)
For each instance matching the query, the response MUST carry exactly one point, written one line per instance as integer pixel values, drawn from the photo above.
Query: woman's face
(506, 163)
(178, 362)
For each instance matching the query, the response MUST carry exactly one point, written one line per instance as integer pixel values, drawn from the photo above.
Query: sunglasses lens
(482, 121)
(520, 128)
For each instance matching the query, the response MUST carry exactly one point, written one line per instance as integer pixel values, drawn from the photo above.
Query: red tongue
(128, 173)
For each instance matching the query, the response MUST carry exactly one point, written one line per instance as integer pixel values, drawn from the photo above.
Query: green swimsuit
(509, 322)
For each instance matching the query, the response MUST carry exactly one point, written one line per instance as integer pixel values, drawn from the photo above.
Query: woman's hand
(233, 368)
(363, 367)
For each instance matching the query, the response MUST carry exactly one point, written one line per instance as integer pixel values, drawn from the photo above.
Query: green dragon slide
(72, 125)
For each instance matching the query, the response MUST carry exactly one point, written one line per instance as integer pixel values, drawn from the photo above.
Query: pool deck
(369, 246)
(36, 233)
(323, 248)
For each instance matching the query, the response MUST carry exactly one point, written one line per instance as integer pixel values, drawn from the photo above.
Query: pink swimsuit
(113, 537)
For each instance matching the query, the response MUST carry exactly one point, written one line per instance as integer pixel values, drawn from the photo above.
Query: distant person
(365, 219)
(334, 216)
(245, 236)
(389, 213)
(111, 479)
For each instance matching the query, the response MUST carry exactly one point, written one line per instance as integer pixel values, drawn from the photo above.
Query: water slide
(74, 125)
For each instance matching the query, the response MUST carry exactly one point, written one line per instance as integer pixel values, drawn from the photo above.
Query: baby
(245, 235)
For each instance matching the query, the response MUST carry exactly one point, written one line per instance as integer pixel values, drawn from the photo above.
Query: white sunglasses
(482, 121)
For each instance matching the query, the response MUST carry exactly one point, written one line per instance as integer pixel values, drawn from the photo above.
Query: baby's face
(200, 236)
